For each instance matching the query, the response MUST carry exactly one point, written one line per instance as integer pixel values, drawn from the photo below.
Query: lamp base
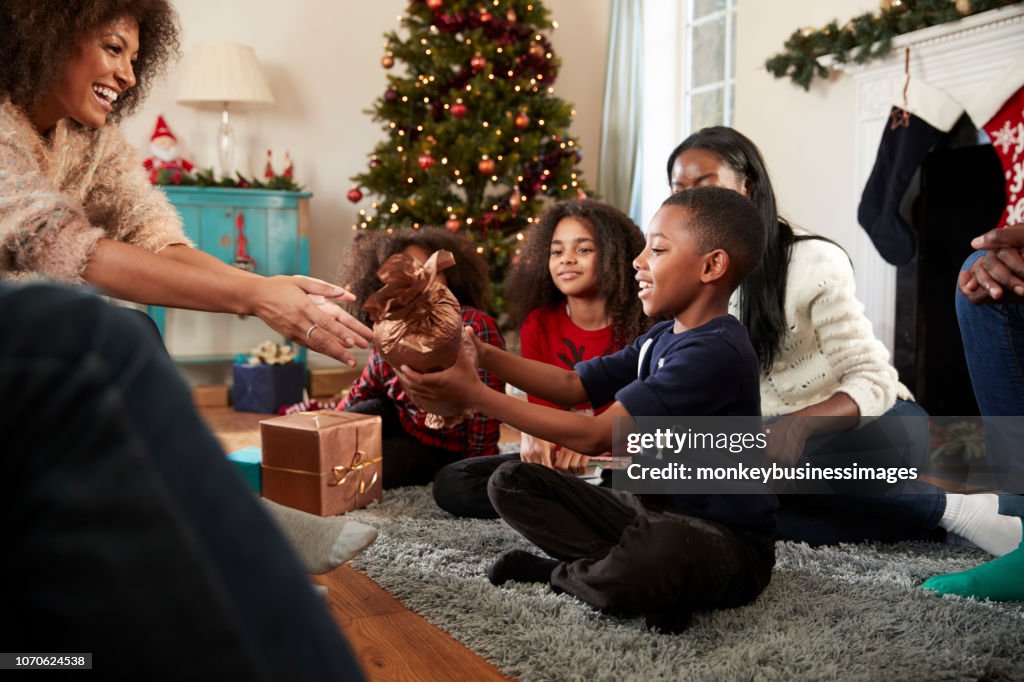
(226, 145)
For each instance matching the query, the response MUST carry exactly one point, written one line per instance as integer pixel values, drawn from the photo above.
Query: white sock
(323, 543)
(976, 518)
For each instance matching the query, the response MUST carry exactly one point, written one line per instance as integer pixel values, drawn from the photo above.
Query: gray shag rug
(851, 612)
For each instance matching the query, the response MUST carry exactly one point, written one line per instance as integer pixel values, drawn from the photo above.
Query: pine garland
(207, 178)
(868, 36)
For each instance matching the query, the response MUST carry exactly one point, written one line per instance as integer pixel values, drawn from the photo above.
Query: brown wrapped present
(210, 396)
(418, 321)
(323, 462)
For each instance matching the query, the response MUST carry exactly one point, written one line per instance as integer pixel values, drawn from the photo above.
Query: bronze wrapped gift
(323, 462)
(418, 321)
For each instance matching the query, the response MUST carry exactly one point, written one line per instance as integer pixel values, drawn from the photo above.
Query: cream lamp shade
(224, 74)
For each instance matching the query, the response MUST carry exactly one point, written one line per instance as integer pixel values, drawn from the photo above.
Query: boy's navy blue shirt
(711, 370)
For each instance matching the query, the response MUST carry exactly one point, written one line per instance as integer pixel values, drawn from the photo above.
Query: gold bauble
(963, 7)
(387, 61)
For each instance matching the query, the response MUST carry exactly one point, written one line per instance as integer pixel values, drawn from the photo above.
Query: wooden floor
(390, 641)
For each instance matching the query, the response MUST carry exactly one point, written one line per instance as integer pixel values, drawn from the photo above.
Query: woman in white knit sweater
(820, 359)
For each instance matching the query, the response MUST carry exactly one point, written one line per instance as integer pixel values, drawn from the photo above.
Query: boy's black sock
(522, 567)
(669, 622)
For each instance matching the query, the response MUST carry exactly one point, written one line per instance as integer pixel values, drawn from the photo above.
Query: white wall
(806, 137)
(322, 59)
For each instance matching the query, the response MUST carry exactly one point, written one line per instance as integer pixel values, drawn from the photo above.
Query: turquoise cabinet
(275, 225)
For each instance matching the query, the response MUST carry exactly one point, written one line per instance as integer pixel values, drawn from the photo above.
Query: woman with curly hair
(75, 204)
(132, 535)
(574, 296)
(413, 453)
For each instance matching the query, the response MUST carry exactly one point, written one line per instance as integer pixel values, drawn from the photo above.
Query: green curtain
(618, 176)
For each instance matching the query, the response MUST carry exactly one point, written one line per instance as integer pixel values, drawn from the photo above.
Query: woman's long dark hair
(618, 241)
(762, 294)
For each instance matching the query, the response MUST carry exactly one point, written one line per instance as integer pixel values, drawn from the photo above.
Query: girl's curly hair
(40, 36)
(618, 240)
(468, 279)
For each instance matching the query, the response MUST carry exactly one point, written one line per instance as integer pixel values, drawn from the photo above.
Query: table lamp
(224, 74)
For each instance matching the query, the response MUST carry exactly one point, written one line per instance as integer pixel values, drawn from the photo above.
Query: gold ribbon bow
(343, 473)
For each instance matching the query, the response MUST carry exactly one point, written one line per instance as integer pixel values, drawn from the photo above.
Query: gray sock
(322, 543)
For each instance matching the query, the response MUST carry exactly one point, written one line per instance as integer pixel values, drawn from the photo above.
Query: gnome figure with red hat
(166, 155)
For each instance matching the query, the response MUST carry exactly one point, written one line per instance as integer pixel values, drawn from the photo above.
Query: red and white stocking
(1000, 111)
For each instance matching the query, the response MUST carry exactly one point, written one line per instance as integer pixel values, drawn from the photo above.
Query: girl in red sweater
(574, 295)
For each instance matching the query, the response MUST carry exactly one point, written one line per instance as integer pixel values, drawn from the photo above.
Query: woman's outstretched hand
(302, 310)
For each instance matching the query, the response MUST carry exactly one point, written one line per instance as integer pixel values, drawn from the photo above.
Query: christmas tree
(476, 140)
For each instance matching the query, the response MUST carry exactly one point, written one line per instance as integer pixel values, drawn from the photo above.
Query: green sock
(999, 580)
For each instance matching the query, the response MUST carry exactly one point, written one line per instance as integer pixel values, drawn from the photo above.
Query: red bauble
(485, 16)
(477, 63)
(354, 195)
(580, 194)
(374, 163)
(511, 16)
(486, 166)
(387, 61)
(453, 224)
(426, 161)
(536, 50)
(435, 4)
(390, 95)
(459, 110)
(522, 121)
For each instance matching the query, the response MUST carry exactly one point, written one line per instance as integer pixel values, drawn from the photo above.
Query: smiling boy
(662, 557)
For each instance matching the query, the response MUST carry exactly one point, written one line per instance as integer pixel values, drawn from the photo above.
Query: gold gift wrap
(323, 462)
(330, 382)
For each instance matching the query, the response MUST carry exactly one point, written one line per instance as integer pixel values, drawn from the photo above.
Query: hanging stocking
(999, 109)
(912, 130)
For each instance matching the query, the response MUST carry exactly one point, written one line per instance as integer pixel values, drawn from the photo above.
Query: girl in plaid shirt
(412, 452)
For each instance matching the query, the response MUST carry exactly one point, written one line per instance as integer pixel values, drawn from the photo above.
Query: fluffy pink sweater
(58, 197)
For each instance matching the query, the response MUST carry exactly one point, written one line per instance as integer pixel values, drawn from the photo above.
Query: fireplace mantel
(959, 58)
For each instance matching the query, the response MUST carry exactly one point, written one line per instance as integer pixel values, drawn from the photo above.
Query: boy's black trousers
(620, 553)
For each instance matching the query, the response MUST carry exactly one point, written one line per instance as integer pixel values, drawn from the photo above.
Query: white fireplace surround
(957, 58)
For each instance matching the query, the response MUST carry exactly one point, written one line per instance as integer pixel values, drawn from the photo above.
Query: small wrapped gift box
(330, 382)
(322, 462)
(247, 460)
(264, 388)
(210, 396)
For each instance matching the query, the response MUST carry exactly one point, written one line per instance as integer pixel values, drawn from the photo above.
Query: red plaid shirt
(475, 436)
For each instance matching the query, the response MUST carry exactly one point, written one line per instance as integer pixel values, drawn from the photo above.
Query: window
(689, 48)
(710, 41)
